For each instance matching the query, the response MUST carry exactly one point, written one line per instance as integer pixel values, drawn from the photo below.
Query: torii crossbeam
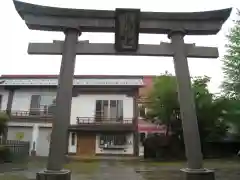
(86, 48)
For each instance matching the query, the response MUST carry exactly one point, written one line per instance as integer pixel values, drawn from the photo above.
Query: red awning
(144, 126)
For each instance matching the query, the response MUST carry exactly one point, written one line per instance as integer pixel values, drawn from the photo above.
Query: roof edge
(43, 10)
(32, 76)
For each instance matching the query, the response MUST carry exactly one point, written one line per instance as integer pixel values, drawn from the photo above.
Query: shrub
(3, 121)
(4, 153)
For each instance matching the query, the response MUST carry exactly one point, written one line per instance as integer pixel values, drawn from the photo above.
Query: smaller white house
(103, 113)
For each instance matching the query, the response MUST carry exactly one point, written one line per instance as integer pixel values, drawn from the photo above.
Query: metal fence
(19, 150)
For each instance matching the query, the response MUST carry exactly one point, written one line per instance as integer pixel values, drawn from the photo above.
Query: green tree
(210, 111)
(3, 122)
(164, 106)
(164, 100)
(231, 62)
(232, 114)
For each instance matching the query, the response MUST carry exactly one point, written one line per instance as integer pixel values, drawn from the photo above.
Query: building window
(109, 141)
(73, 139)
(109, 110)
(142, 137)
(142, 110)
(41, 105)
(35, 105)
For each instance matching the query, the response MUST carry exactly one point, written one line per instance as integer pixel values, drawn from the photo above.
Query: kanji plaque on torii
(127, 24)
(126, 29)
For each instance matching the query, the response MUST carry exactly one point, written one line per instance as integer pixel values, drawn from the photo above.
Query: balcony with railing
(99, 121)
(33, 114)
(104, 124)
(82, 123)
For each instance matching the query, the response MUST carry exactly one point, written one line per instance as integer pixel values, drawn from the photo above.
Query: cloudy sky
(15, 37)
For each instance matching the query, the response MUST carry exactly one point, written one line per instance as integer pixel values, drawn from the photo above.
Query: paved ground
(109, 170)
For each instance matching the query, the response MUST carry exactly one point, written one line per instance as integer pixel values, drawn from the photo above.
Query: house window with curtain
(109, 110)
(35, 105)
(113, 141)
(40, 104)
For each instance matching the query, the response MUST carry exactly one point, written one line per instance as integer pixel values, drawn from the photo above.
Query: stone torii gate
(127, 24)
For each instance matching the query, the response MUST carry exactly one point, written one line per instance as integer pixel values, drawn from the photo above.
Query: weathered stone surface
(203, 174)
(54, 175)
(59, 19)
(62, 113)
(85, 48)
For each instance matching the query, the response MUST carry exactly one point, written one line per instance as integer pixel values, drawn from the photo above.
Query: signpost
(126, 24)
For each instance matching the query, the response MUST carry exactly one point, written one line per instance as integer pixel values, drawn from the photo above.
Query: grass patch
(210, 163)
(82, 167)
(222, 163)
(171, 164)
(12, 177)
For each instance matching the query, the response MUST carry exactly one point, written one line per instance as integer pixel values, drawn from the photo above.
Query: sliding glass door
(109, 110)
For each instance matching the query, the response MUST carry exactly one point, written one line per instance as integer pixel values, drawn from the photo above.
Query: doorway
(86, 143)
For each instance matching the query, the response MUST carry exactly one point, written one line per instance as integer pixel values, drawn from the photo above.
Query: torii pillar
(187, 109)
(131, 23)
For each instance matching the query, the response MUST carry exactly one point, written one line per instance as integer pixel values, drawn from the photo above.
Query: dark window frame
(34, 108)
(73, 139)
(100, 112)
(142, 137)
(37, 108)
(112, 140)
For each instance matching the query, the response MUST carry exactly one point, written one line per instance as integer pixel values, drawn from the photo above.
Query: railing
(19, 149)
(80, 120)
(93, 120)
(32, 113)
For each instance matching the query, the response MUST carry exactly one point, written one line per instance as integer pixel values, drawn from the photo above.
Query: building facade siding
(28, 93)
(83, 105)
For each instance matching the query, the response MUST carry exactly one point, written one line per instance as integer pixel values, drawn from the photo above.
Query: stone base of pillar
(201, 174)
(54, 175)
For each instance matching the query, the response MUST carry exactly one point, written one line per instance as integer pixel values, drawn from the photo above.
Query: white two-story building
(103, 116)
